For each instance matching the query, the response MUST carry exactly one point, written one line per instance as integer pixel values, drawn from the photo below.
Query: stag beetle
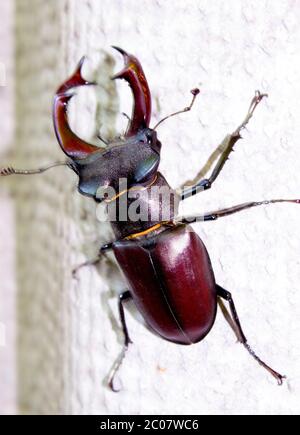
(166, 264)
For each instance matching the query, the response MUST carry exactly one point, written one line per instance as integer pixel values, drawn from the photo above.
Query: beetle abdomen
(172, 283)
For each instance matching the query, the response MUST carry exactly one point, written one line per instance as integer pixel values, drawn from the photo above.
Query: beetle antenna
(4, 172)
(194, 92)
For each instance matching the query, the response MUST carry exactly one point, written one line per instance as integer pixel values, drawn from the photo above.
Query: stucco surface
(7, 213)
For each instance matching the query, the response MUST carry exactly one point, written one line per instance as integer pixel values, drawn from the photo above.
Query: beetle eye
(149, 138)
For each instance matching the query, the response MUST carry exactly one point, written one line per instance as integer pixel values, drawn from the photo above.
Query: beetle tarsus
(234, 322)
(5, 172)
(258, 97)
(117, 365)
(125, 296)
(280, 378)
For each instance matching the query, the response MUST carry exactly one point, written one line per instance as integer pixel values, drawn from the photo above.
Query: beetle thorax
(143, 207)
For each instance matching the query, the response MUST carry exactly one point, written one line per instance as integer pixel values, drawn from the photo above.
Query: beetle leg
(93, 261)
(195, 186)
(102, 139)
(122, 298)
(228, 211)
(236, 325)
(126, 116)
(5, 172)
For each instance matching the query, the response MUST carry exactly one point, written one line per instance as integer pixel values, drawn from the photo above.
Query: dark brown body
(172, 283)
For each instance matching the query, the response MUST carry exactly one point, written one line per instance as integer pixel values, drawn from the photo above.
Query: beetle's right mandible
(133, 73)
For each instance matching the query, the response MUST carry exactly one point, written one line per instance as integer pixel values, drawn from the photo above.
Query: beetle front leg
(122, 298)
(5, 172)
(235, 323)
(227, 146)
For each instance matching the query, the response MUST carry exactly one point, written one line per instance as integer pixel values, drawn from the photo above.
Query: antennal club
(194, 92)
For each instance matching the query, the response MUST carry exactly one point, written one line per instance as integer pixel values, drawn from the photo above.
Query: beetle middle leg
(93, 261)
(235, 323)
(199, 185)
(122, 298)
(212, 216)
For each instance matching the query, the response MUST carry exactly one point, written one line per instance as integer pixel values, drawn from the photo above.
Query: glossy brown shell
(172, 283)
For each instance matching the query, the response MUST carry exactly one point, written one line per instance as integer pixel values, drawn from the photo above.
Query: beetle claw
(134, 75)
(116, 367)
(281, 379)
(5, 172)
(75, 80)
(111, 385)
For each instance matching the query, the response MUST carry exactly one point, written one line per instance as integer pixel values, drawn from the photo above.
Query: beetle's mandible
(168, 269)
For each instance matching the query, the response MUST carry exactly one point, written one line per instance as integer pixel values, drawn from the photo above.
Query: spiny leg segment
(227, 146)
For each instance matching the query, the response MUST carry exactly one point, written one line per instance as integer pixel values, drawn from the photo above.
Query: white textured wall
(69, 337)
(7, 213)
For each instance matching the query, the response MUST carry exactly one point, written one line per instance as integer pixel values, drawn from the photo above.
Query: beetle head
(122, 165)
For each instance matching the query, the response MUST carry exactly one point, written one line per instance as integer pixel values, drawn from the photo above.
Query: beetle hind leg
(127, 341)
(235, 324)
